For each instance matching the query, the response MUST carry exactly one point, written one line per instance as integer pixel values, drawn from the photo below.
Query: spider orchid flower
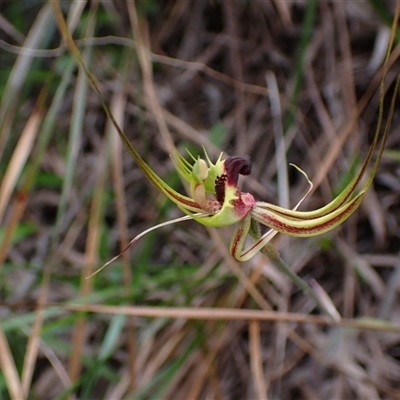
(219, 202)
(216, 200)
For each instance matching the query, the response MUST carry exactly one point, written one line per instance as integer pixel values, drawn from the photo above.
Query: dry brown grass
(178, 318)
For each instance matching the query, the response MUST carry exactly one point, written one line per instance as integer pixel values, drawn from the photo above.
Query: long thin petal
(136, 238)
(186, 203)
(310, 227)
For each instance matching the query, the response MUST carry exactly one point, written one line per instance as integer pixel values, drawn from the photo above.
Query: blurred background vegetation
(283, 81)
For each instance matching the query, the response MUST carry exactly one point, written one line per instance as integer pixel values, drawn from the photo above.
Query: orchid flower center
(225, 185)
